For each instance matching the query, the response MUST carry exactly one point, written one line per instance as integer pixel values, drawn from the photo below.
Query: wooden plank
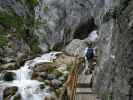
(86, 97)
(86, 79)
(84, 90)
(83, 85)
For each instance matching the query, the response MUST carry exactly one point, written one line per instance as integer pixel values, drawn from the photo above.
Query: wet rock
(10, 91)
(8, 76)
(57, 73)
(39, 75)
(47, 82)
(35, 75)
(44, 67)
(8, 59)
(49, 98)
(20, 59)
(17, 97)
(51, 76)
(39, 79)
(62, 79)
(43, 75)
(42, 86)
(8, 66)
(41, 70)
(56, 83)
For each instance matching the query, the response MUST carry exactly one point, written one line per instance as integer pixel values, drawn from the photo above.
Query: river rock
(49, 98)
(10, 91)
(17, 97)
(56, 83)
(35, 75)
(42, 86)
(39, 78)
(76, 48)
(41, 71)
(44, 67)
(8, 59)
(8, 76)
(51, 76)
(20, 59)
(43, 75)
(8, 66)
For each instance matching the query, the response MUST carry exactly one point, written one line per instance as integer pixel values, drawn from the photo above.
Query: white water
(29, 89)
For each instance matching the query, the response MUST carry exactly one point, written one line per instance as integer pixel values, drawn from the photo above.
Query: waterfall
(29, 89)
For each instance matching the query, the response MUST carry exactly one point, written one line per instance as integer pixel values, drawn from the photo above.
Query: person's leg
(87, 69)
(86, 65)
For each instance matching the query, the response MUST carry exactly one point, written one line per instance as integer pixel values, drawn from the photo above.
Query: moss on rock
(21, 26)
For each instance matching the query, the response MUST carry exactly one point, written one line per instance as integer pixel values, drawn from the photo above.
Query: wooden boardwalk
(83, 90)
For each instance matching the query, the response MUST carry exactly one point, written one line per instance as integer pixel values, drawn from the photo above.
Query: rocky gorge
(30, 28)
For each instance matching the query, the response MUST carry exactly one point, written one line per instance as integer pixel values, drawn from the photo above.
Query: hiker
(90, 54)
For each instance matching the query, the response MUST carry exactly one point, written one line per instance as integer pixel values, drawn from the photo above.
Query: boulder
(8, 66)
(8, 76)
(65, 59)
(43, 75)
(17, 97)
(44, 47)
(56, 83)
(41, 71)
(51, 76)
(43, 67)
(76, 48)
(10, 91)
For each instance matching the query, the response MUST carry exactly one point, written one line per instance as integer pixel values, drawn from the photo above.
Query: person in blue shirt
(89, 57)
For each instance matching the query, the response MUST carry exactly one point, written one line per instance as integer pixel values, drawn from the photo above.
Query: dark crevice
(84, 28)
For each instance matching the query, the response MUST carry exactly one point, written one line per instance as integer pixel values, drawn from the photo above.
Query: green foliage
(57, 92)
(19, 23)
(34, 46)
(3, 40)
(11, 20)
(31, 3)
(38, 23)
(46, 8)
(57, 73)
(70, 67)
(22, 26)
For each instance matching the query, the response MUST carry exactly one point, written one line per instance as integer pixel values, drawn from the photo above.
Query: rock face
(16, 27)
(76, 48)
(61, 21)
(113, 79)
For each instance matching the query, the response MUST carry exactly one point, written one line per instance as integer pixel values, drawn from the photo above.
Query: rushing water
(29, 89)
